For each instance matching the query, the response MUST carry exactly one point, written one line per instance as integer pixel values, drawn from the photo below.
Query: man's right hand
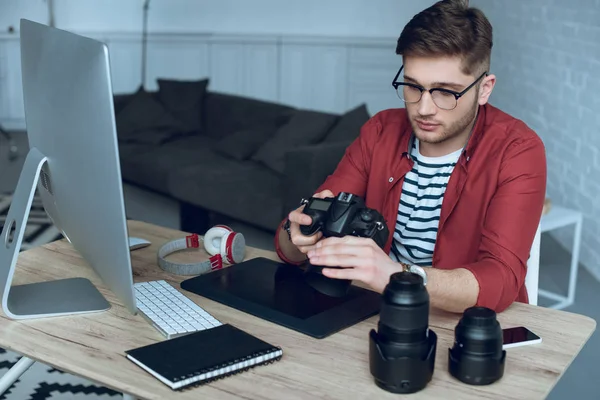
(297, 218)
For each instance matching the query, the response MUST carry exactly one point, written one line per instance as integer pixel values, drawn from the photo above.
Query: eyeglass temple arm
(394, 83)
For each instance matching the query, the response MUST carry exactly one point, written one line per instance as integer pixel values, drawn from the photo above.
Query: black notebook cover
(203, 356)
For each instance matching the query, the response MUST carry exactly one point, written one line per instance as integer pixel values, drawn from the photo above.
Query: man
(460, 183)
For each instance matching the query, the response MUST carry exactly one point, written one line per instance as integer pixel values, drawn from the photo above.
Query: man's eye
(444, 94)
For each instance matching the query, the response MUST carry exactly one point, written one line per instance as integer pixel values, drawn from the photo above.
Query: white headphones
(220, 241)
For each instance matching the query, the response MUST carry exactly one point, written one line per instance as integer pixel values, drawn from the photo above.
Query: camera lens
(402, 351)
(404, 316)
(477, 357)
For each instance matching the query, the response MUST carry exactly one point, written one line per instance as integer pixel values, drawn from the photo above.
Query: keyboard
(170, 311)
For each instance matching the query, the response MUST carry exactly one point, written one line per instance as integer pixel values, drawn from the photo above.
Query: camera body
(344, 215)
(340, 216)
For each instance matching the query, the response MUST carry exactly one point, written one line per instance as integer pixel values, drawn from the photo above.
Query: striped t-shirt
(420, 205)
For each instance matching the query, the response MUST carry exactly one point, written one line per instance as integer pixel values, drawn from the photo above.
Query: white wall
(546, 57)
(359, 18)
(329, 55)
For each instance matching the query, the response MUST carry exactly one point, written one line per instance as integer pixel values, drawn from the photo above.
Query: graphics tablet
(277, 292)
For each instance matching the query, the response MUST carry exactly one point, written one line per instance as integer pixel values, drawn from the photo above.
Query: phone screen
(518, 335)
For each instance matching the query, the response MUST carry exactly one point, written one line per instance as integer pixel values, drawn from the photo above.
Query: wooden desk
(93, 345)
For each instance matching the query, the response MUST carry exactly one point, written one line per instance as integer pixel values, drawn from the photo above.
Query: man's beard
(455, 129)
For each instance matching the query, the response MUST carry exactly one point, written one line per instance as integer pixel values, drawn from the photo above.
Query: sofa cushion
(145, 120)
(184, 100)
(226, 114)
(242, 190)
(304, 128)
(242, 144)
(348, 127)
(151, 166)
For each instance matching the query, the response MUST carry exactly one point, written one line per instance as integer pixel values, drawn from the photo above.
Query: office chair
(533, 269)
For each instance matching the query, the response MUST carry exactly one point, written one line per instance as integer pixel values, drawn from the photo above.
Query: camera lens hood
(477, 357)
(404, 374)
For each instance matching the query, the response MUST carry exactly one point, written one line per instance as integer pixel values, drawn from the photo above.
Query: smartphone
(518, 336)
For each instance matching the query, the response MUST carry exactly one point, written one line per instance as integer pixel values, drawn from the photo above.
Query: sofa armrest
(306, 168)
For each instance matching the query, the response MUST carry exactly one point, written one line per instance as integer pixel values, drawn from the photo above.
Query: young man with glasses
(460, 183)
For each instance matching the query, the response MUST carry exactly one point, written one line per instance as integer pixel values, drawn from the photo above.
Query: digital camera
(341, 216)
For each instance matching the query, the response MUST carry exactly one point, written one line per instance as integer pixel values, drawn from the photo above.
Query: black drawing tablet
(278, 293)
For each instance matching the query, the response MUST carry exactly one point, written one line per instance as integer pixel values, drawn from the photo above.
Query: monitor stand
(43, 299)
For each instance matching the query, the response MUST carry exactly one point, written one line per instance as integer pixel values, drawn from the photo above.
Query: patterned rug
(42, 382)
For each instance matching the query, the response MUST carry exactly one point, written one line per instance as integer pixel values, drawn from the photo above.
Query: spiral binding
(276, 351)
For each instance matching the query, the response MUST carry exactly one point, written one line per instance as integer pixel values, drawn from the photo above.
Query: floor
(580, 381)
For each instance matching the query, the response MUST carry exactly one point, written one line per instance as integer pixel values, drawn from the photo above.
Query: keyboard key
(170, 310)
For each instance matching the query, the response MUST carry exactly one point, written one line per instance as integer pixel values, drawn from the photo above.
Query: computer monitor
(73, 162)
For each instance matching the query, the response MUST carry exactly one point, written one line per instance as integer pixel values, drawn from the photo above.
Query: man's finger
(323, 194)
(347, 240)
(339, 260)
(301, 240)
(306, 249)
(342, 249)
(300, 218)
(346, 273)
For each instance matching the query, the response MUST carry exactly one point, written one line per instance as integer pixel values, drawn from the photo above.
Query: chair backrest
(533, 269)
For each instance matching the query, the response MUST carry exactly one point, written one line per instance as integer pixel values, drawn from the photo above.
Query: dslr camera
(340, 216)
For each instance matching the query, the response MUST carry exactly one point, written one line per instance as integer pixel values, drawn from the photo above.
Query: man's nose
(426, 105)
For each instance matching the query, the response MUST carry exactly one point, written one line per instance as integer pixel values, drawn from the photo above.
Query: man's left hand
(359, 258)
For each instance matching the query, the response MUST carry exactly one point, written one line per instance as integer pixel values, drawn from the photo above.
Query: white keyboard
(170, 311)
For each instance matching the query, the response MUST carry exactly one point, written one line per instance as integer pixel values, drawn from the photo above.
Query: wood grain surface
(93, 345)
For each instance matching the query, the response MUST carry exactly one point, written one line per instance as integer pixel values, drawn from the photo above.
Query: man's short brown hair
(450, 28)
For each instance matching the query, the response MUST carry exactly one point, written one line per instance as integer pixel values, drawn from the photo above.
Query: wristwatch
(415, 269)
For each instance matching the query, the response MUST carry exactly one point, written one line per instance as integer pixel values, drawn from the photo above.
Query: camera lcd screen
(320, 205)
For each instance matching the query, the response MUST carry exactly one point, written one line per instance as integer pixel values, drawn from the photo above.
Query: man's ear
(485, 88)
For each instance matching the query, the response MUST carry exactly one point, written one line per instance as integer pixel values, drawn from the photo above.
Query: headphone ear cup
(233, 248)
(213, 239)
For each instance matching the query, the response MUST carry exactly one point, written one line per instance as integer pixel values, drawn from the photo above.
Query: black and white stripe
(420, 205)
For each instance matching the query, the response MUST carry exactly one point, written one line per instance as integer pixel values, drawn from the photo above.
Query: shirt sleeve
(352, 172)
(510, 225)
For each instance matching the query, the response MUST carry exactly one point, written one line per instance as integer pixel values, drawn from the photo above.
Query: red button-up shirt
(492, 204)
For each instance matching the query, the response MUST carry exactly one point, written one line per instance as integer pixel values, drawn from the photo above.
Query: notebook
(203, 356)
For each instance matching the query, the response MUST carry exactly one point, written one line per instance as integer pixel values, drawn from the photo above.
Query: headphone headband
(189, 242)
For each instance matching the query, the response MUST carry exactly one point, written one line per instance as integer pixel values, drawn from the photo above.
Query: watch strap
(286, 227)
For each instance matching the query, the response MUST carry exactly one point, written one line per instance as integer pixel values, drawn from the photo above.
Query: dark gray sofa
(243, 158)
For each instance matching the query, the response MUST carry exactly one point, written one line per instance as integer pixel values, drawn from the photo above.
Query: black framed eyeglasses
(445, 99)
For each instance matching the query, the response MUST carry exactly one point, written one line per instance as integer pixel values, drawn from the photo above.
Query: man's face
(430, 123)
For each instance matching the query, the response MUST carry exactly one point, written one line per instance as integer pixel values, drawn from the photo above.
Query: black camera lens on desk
(477, 357)
(402, 350)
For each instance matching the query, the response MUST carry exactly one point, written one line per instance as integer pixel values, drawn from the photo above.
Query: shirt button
(391, 179)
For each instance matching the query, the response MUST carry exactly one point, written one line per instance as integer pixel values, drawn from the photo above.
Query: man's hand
(359, 258)
(297, 218)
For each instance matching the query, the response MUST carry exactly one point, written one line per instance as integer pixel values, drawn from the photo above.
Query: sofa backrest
(225, 114)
